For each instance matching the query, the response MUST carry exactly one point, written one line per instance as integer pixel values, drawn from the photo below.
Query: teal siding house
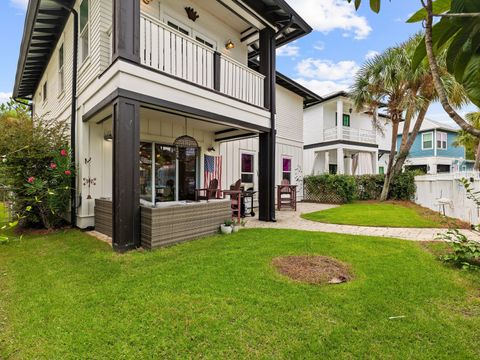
(434, 151)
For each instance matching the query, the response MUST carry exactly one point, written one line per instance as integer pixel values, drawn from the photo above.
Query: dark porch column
(126, 175)
(126, 30)
(266, 195)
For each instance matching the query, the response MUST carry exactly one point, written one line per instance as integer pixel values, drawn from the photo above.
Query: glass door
(165, 173)
(187, 173)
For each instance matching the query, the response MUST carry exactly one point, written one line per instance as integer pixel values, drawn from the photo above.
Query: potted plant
(235, 226)
(226, 227)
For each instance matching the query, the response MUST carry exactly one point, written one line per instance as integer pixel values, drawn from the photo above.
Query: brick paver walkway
(291, 220)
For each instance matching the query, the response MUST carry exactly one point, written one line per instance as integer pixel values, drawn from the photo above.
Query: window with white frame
(442, 140)
(61, 73)
(205, 40)
(427, 141)
(247, 168)
(84, 30)
(287, 169)
(177, 25)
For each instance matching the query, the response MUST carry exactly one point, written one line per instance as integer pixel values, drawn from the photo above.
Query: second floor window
(247, 168)
(442, 140)
(427, 141)
(84, 30)
(61, 73)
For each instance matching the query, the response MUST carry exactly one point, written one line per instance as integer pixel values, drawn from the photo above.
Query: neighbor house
(340, 140)
(154, 91)
(434, 150)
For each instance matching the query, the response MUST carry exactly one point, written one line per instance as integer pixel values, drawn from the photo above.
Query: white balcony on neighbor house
(170, 51)
(350, 134)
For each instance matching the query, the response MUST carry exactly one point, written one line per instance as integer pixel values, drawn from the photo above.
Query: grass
(386, 214)
(67, 296)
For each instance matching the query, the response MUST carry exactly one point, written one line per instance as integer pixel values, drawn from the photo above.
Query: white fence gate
(435, 190)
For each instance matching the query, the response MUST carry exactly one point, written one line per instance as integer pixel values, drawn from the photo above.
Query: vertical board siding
(289, 115)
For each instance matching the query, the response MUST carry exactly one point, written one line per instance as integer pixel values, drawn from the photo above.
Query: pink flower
(68, 172)
(31, 179)
(53, 166)
(63, 152)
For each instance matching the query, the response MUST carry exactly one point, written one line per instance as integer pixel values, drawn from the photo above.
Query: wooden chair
(235, 193)
(286, 195)
(211, 192)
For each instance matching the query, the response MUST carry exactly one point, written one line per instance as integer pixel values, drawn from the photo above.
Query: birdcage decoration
(184, 142)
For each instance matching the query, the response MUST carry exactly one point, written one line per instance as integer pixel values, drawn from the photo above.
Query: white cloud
(327, 70)
(325, 76)
(288, 50)
(5, 96)
(21, 4)
(327, 15)
(371, 54)
(319, 45)
(323, 88)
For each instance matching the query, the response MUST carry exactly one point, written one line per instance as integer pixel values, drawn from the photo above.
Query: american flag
(212, 170)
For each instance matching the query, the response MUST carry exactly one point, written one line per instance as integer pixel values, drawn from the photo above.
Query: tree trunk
(393, 149)
(436, 75)
(406, 124)
(405, 149)
(476, 166)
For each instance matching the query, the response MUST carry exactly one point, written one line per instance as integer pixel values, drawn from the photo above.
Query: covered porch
(347, 160)
(144, 163)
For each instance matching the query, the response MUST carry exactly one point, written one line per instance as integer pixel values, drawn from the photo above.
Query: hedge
(337, 189)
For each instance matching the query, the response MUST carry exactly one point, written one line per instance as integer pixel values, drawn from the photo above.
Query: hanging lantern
(185, 142)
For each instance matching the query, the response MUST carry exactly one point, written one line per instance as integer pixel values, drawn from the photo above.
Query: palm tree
(384, 81)
(469, 141)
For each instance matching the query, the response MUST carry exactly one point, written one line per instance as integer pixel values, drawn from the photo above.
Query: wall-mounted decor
(192, 14)
(147, 1)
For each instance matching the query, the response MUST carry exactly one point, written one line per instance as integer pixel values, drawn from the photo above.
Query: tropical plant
(470, 142)
(36, 168)
(458, 32)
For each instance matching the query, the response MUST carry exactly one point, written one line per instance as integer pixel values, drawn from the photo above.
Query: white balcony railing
(174, 53)
(351, 134)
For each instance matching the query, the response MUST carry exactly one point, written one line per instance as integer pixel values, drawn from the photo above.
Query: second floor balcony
(170, 51)
(350, 134)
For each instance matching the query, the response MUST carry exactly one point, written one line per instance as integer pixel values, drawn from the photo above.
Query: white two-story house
(340, 140)
(152, 87)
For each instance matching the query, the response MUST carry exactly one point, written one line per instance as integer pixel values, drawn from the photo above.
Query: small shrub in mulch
(313, 269)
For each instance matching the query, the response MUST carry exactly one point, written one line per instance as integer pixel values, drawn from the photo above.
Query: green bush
(369, 187)
(346, 188)
(35, 166)
(403, 186)
(330, 188)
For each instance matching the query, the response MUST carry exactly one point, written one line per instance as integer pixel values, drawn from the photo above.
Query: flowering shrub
(37, 169)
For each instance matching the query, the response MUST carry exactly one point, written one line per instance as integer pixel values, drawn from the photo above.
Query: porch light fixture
(185, 142)
(350, 110)
(108, 136)
(229, 45)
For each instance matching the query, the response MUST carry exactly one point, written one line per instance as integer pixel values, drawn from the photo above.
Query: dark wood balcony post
(216, 70)
(126, 30)
(126, 175)
(267, 143)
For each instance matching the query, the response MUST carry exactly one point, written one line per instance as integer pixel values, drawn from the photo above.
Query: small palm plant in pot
(226, 227)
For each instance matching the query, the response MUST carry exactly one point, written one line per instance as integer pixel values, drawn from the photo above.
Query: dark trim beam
(126, 30)
(126, 175)
(337, 142)
(266, 173)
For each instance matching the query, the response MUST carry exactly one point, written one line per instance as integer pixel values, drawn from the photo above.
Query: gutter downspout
(73, 125)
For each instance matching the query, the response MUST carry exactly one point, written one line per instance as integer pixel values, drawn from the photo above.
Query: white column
(327, 162)
(340, 119)
(340, 161)
(375, 162)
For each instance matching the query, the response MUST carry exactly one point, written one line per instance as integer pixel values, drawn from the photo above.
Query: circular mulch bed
(313, 269)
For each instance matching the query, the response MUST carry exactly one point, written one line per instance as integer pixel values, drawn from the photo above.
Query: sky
(324, 61)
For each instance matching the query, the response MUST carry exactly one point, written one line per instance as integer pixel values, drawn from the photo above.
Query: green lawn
(67, 295)
(397, 214)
